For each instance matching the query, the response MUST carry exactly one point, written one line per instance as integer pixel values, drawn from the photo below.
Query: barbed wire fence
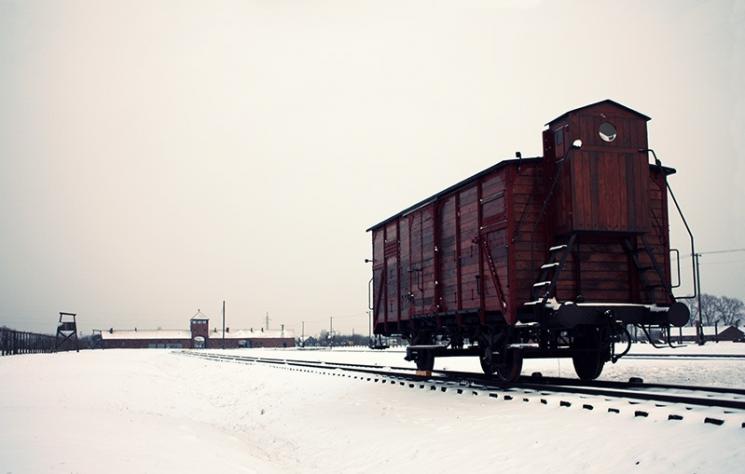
(14, 342)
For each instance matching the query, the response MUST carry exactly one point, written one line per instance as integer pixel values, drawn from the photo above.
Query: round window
(607, 132)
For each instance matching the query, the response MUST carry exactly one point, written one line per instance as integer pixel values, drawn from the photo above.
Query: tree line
(721, 310)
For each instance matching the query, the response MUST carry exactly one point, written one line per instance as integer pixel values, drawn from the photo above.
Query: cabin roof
(606, 101)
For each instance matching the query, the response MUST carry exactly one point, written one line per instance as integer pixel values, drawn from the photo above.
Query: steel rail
(685, 356)
(627, 356)
(632, 390)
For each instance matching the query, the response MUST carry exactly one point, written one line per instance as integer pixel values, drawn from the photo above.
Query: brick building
(198, 336)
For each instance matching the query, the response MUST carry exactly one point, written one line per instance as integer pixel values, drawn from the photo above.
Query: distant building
(198, 336)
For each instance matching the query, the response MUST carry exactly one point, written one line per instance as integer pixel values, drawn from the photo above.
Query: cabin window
(559, 137)
(559, 143)
(607, 132)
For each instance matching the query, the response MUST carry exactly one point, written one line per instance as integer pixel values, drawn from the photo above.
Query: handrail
(549, 195)
(694, 256)
(693, 246)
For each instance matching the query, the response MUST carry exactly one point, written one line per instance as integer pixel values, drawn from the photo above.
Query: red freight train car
(538, 257)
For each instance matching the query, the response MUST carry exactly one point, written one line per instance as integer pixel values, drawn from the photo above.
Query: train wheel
(509, 367)
(425, 360)
(486, 359)
(590, 358)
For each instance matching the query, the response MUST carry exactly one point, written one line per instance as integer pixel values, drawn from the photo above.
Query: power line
(722, 251)
(712, 252)
(728, 262)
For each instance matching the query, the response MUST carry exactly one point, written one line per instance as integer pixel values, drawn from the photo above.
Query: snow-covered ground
(160, 411)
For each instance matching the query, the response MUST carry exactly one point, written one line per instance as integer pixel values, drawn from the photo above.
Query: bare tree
(729, 311)
(717, 309)
(708, 303)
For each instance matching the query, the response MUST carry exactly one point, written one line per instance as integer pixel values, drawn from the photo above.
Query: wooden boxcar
(537, 257)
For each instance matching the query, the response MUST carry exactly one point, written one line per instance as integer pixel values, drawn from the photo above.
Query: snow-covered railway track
(702, 357)
(668, 356)
(635, 391)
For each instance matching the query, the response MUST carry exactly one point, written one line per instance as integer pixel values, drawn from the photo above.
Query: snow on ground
(160, 411)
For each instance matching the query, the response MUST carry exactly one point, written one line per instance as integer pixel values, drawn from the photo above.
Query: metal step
(557, 248)
(527, 325)
(524, 345)
(541, 283)
(549, 265)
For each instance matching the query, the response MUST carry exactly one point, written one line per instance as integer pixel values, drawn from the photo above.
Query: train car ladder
(646, 271)
(545, 286)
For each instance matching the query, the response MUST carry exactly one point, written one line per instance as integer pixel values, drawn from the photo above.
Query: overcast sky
(158, 157)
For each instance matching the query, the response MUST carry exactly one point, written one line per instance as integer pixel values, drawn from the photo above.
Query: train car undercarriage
(585, 332)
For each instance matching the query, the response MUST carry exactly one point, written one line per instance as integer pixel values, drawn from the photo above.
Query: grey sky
(157, 157)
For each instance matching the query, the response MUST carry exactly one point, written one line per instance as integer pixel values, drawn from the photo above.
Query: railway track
(632, 356)
(635, 390)
(687, 356)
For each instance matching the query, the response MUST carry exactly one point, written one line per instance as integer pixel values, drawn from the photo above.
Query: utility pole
(697, 284)
(223, 324)
(267, 320)
(302, 336)
(331, 331)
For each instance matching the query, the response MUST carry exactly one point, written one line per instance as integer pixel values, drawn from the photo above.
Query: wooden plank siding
(469, 252)
(529, 245)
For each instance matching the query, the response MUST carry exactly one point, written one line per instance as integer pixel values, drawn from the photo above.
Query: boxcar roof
(501, 164)
(456, 186)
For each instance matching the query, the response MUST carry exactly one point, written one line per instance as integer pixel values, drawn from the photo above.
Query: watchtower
(67, 333)
(200, 330)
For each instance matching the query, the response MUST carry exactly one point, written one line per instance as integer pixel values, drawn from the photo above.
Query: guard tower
(67, 333)
(200, 330)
